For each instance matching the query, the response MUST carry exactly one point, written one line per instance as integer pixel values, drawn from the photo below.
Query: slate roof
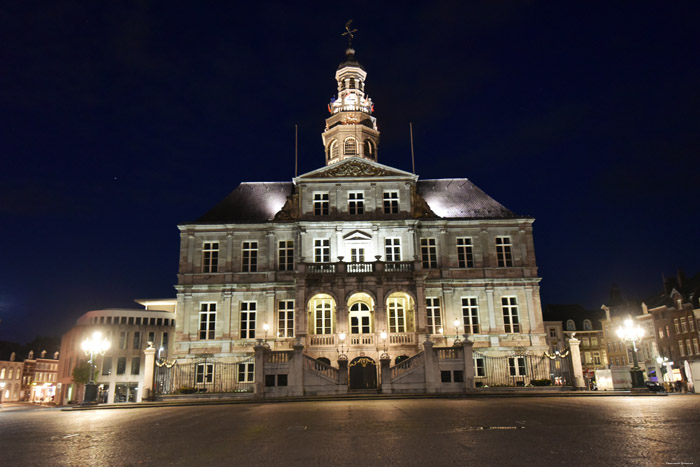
(458, 198)
(575, 312)
(258, 202)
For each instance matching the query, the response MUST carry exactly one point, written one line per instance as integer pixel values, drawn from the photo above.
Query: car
(653, 386)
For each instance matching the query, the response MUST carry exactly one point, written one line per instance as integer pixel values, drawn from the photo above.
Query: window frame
(321, 203)
(285, 255)
(470, 315)
(390, 199)
(397, 314)
(465, 253)
(504, 251)
(204, 373)
(428, 252)
(285, 318)
(322, 250)
(392, 249)
(249, 256)
(356, 203)
(248, 317)
(210, 257)
(511, 325)
(433, 312)
(246, 372)
(207, 321)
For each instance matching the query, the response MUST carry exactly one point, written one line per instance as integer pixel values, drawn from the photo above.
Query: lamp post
(383, 335)
(93, 346)
(456, 325)
(633, 334)
(342, 355)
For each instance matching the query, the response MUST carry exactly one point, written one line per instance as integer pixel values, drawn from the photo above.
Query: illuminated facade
(356, 258)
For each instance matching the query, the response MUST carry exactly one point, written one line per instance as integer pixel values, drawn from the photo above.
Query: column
(468, 355)
(149, 367)
(385, 363)
(259, 385)
(579, 382)
(431, 371)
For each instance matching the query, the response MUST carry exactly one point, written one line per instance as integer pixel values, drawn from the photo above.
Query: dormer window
(350, 147)
(570, 325)
(587, 326)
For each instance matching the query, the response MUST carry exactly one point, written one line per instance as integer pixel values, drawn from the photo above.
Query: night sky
(120, 121)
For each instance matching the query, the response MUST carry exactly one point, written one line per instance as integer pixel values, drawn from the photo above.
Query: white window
(517, 367)
(428, 250)
(285, 318)
(356, 202)
(504, 252)
(675, 324)
(691, 323)
(205, 372)
(684, 325)
(585, 342)
(322, 250)
(391, 202)
(397, 315)
(360, 322)
(661, 333)
(357, 255)
(285, 255)
(470, 315)
(250, 256)
(207, 320)
(465, 252)
(321, 204)
(350, 146)
(688, 347)
(432, 305)
(510, 314)
(681, 349)
(479, 366)
(392, 249)
(333, 150)
(246, 372)
(323, 318)
(210, 257)
(248, 314)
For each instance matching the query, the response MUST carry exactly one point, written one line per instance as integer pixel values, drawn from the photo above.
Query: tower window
(352, 83)
(369, 149)
(350, 147)
(333, 150)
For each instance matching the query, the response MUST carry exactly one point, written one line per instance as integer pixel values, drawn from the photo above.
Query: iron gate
(522, 370)
(204, 375)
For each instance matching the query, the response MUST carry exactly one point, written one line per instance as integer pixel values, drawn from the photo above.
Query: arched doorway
(363, 373)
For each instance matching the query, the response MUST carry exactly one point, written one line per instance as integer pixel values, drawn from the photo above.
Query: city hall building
(356, 260)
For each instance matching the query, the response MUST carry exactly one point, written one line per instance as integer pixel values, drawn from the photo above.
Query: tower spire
(351, 130)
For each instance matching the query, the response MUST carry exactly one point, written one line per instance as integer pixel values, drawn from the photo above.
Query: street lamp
(633, 334)
(383, 335)
(456, 325)
(342, 355)
(93, 346)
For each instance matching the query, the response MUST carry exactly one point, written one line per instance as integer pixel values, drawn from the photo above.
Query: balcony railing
(361, 339)
(357, 267)
(322, 339)
(402, 338)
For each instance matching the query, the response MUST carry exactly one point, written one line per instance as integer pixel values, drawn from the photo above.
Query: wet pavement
(507, 431)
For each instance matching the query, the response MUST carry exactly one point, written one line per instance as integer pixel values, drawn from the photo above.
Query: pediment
(357, 235)
(356, 167)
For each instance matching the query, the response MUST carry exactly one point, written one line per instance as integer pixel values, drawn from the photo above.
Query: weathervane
(349, 32)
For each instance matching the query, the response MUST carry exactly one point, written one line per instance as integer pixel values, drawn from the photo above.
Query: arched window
(369, 149)
(352, 83)
(360, 319)
(587, 326)
(570, 325)
(350, 147)
(321, 308)
(333, 150)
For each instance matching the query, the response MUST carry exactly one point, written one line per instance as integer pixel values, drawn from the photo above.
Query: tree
(81, 372)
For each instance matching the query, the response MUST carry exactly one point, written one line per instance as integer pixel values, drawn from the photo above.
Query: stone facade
(356, 259)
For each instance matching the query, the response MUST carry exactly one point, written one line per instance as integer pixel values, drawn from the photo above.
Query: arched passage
(363, 373)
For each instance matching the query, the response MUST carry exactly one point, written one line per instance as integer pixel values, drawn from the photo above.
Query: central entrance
(363, 373)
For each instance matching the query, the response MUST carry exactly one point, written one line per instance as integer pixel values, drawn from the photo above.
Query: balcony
(362, 340)
(357, 268)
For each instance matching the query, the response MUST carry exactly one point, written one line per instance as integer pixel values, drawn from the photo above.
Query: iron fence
(522, 370)
(204, 376)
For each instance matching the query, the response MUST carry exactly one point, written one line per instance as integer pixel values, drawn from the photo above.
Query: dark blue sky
(121, 121)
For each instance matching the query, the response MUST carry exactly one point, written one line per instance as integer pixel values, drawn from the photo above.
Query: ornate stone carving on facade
(290, 210)
(353, 169)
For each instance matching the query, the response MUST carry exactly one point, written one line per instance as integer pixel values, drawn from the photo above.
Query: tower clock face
(351, 99)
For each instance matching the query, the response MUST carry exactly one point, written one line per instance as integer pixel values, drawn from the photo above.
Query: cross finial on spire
(349, 32)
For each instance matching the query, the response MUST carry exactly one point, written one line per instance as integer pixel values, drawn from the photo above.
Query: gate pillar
(149, 366)
(579, 382)
(385, 363)
(468, 364)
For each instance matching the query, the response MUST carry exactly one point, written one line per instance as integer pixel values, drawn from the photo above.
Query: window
(570, 325)
(121, 365)
(680, 347)
(428, 249)
(210, 257)
(397, 315)
(285, 318)
(107, 365)
(675, 324)
(323, 316)
(552, 332)
(504, 252)
(516, 365)
(470, 315)
(691, 323)
(585, 342)
(320, 204)
(207, 321)
(246, 372)
(123, 339)
(391, 202)
(135, 365)
(369, 149)
(594, 341)
(164, 340)
(359, 318)
(661, 333)
(250, 256)
(137, 340)
(688, 348)
(356, 202)
(392, 249)
(333, 150)
(510, 314)
(432, 305)
(350, 143)
(587, 326)
(465, 253)
(205, 372)
(479, 366)
(152, 337)
(248, 310)
(684, 325)
(285, 255)
(596, 358)
(322, 250)
(695, 346)
(668, 331)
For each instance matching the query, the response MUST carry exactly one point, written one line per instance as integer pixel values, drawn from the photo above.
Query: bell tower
(351, 130)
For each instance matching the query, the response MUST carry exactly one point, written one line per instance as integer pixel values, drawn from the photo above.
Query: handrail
(410, 363)
(320, 367)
